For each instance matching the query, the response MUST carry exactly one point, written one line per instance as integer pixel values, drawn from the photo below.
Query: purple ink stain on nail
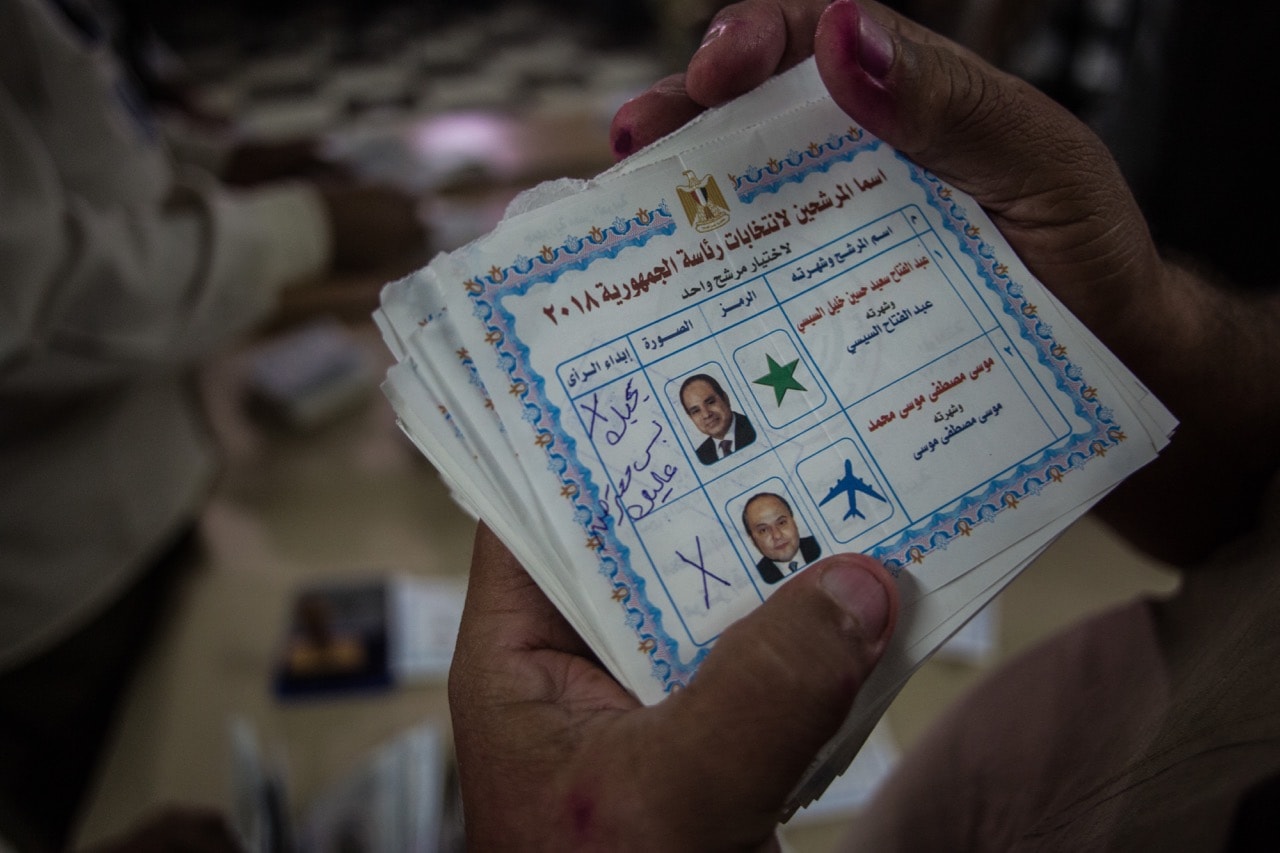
(581, 812)
(622, 142)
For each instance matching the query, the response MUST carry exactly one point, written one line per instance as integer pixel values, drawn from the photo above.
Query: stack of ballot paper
(899, 384)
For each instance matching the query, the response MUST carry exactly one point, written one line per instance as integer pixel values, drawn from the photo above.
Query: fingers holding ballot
(1056, 194)
(641, 686)
(555, 754)
(1047, 181)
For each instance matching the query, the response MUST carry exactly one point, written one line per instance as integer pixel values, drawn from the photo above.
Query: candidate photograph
(771, 524)
(708, 407)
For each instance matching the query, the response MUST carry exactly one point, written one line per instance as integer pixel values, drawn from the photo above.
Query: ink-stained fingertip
(621, 142)
(862, 40)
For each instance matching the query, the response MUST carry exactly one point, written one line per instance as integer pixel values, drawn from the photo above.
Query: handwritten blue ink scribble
(593, 411)
(706, 592)
(850, 485)
(641, 489)
(632, 402)
(622, 418)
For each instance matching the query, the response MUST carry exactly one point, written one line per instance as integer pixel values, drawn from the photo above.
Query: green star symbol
(781, 377)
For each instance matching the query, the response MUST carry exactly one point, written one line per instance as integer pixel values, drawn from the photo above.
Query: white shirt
(118, 272)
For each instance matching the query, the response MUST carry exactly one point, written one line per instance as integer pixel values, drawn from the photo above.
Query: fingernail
(714, 32)
(875, 46)
(860, 594)
(622, 143)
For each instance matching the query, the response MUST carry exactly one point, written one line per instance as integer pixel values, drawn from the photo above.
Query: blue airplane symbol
(851, 485)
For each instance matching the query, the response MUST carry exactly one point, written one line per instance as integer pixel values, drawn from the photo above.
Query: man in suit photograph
(707, 405)
(772, 527)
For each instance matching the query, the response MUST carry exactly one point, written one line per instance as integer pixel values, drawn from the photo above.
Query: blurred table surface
(351, 498)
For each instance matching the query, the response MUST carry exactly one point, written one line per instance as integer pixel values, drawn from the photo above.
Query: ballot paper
(890, 377)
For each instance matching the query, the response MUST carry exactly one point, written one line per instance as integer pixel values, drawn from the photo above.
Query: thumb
(943, 106)
(776, 687)
(987, 131)
(1046, 179)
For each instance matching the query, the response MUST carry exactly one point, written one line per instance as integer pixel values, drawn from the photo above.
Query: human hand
(554, 754)
(1047, 181)
(373, 227)
(1054, 191)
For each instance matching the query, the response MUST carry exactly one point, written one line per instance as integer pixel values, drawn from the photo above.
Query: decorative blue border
(912, 545)
(1030, 477)
(798, 165)
(486, 292)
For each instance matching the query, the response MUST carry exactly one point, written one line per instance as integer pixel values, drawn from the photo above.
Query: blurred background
(323, 520)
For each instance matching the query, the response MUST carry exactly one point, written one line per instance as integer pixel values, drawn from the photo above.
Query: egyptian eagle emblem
(703, 202)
